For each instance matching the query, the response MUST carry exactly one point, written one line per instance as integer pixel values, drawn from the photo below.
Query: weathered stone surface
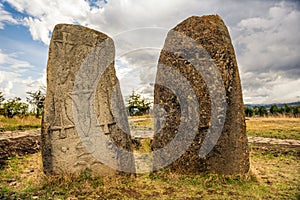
(84, 122)
(199, 49)
(19, 143)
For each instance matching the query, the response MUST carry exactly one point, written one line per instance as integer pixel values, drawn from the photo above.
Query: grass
(17, 123)
(142, 145)
(144, 122)
(273, 175)
(282, 128)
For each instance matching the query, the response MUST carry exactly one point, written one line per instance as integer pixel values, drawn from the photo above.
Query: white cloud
(5, 78)
(5, 17)
(13, 85)
(268, 55)
(265, 35)
(43, 15)
(270, 43)
(112, 18)
(11, 63)
(287, 91)
(12, 81)
(270, 88)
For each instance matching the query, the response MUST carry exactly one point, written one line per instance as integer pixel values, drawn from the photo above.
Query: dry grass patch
(282, 128)
(18, 123)
(144, 122)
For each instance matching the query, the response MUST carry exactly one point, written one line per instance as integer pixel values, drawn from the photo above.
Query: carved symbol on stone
(66, 46)
(62, 129)
(105, 117)
(61, 121)
(105, 124)
(65, 42)
(86, 121)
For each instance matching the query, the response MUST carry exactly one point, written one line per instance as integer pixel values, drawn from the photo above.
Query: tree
(15, 107)
(262, 111)
(36, 99)
(137, 105)
(1, 97)
(281, 110)
(255, 110)
(287, 109)
(1, 100)
(295, 110)
(249, 112)
(274, 109)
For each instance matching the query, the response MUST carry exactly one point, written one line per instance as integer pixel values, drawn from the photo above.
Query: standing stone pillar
(198, 56)
(84, 121)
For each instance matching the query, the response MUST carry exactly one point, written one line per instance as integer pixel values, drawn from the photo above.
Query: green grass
(273, 175)
(17, 123)
(281, 128)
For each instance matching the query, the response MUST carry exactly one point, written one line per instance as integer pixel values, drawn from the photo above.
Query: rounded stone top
(77, 34)
(75, 27)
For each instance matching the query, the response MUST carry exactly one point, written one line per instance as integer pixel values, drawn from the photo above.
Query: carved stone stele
(84, 116)
(198, 56)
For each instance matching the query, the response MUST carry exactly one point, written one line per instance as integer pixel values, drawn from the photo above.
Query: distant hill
(278, 104)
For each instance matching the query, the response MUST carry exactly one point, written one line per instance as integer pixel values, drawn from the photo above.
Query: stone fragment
(200, 122)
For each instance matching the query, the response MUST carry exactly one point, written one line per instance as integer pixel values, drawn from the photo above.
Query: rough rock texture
(19, 143)
(83, 105)
(193, 49)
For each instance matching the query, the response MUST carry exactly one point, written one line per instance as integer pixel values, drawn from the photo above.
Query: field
(274, 174)
(282, 128)
(18, 123)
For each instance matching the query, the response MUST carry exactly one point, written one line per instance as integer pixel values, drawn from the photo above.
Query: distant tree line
(274, 111)
(15, 107)
(136, 105)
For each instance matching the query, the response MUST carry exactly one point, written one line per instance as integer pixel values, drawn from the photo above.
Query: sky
(264, 33)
